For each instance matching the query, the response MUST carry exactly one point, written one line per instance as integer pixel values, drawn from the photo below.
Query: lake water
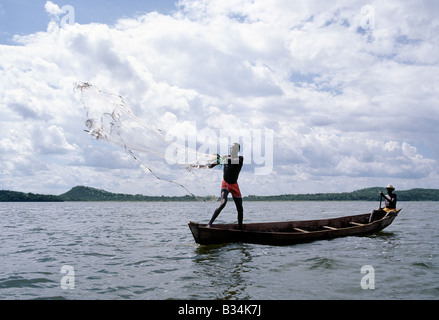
(146, 251)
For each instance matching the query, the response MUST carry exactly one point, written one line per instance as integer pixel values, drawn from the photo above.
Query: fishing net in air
(111, 120)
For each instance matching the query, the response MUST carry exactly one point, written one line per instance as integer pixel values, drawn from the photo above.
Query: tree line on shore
(81, 193)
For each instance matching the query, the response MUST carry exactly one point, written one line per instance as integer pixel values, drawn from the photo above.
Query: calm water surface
(146, 251)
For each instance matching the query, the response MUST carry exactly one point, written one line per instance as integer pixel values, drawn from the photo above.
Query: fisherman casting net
(110, 119)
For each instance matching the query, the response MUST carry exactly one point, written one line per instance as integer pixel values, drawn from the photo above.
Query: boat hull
(290, 232)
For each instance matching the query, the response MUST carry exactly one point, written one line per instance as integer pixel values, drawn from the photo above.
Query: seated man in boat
(232, 167)
(390, 204)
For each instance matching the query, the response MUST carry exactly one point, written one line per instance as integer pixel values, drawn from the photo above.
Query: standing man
(232, 167)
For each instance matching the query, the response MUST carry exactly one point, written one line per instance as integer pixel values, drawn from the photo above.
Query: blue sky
(29, 16)
(349, 91)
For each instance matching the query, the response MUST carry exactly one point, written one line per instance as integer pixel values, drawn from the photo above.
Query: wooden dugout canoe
(290, 232)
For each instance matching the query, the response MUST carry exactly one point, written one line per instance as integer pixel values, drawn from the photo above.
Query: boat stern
(193, 226)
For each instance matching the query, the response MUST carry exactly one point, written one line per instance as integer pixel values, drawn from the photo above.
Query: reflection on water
(224, 267)
(382, 235)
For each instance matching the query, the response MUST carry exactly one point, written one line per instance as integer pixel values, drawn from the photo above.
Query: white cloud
(349, 107)
(51, 140)
(52, 8)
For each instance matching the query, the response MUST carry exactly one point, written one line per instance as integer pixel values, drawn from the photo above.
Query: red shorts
(232, 188)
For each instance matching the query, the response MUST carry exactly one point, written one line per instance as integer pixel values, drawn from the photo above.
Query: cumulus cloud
(50, 140)
(350, 105)
(52, 8)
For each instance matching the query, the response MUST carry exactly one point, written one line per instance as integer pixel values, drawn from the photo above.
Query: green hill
(81, 193)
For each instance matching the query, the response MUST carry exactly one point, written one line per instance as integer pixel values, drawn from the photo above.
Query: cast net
(110, 119)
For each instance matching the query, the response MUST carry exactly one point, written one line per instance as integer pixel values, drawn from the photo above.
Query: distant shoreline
(88, 194)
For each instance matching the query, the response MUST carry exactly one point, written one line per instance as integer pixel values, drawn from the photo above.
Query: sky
(327, 96)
